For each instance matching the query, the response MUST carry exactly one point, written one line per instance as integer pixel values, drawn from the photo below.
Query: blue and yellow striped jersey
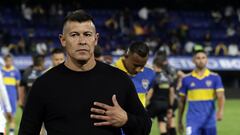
(10, 77)
(201, 93)
(142, 81)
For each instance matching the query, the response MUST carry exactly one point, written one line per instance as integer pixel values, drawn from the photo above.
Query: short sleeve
(183, 88)
(219, 85)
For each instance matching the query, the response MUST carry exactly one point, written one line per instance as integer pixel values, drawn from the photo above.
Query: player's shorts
(197, 130)
(12, 95)
(158, 109)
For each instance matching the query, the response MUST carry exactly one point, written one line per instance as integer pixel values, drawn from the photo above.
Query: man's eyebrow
(88, 32)
(73, 32)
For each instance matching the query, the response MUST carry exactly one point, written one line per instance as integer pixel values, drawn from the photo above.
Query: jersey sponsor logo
(145, 83)
(192, 84)
(209, 83)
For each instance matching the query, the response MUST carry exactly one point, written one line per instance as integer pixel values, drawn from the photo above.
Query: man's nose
(81, 40)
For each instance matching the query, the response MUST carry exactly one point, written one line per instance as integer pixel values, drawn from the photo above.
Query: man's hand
(110, 115)
(219, 115)
(8, 115)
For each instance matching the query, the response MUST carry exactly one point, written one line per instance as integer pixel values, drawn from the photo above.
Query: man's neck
(8, 66)
(80, 65)
(200, 72)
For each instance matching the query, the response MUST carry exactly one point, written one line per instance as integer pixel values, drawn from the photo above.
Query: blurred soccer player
(29, 76)
(11, 79)
(4, 102)
(133, 63)
(98, 53)
(57, 56)
(176, 76)
(161, 97)
(200, 88)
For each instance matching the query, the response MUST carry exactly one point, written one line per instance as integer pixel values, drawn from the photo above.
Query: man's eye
(88, 35)
(74, 35)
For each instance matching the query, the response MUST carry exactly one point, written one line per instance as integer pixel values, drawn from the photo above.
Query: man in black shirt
(83, 96)
(29, 76)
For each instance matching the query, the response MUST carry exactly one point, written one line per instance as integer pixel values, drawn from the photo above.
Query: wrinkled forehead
(75, 25)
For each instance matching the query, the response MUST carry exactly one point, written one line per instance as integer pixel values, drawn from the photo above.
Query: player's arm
(18, 78)
(22, 89)
(170, 103)
(180, 75)
(181, 104)
(171, 97)
(220, 102)
(220, 97)
(149, 96)
(181, 108)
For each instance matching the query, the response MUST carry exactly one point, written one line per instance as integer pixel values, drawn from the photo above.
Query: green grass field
(229, 125)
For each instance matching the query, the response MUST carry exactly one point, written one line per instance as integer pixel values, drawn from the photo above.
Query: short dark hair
(7, 56)
(162, 55)
(78, 16)
(38, 59)
(199, 51)
(140, 48)
(158, 61)
(57, 51)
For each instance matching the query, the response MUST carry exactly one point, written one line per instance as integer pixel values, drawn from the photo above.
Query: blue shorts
(197, 130)
(12, 95)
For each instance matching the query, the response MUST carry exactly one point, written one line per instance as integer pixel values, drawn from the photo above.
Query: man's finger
(102, 123)
(99, 111)
(114, 99)
(99, 117)
(102, 105)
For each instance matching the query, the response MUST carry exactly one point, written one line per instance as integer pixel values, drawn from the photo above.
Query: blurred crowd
(34, 29)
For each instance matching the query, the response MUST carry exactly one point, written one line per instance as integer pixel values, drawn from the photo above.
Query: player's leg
(172, 123)
(162, 117)
(13, 102)
(154, 109)
(209, 131)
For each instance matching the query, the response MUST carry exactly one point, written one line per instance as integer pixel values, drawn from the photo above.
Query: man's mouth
(82, 50)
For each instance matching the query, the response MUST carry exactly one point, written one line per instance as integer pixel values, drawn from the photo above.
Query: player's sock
(172, 131)
(163, 133)
(11, 131)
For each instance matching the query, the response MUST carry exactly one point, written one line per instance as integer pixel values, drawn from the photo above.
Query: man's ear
(62, 40)
(96, 39)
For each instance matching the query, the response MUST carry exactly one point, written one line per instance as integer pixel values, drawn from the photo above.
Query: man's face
(79, 40)
(8, 62)
(200, 60)
(135, 63)
(57, 58)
